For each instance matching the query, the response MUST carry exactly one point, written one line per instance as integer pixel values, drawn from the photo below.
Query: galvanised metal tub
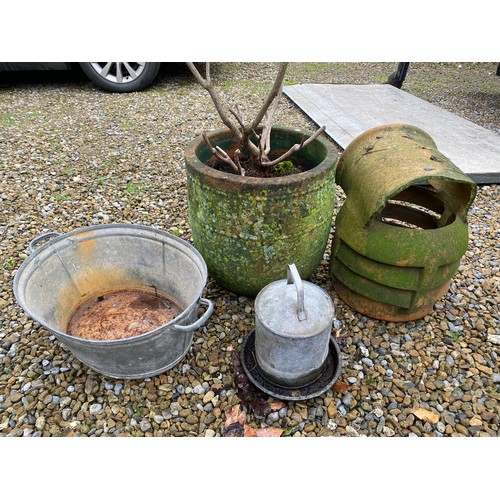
(71, 269)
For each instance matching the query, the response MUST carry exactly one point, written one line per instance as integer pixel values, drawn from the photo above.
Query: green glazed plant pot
(402, 230)
(250, 229)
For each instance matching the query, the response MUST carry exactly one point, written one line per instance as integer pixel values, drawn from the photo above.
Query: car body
(110, 76)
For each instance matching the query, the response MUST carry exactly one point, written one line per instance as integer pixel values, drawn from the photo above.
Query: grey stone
(175, 408)
(311, 414)
(368, 362)
(387, 431)
(95, 408)
(273, 417)
(455, 328)
(199, 389)
(351, 431)
(145, 425)
(66, 401)
(364, 351)
(381, 425)
(348, 400)
(90, 385)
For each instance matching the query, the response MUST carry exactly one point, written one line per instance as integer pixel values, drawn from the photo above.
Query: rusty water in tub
(122, 314)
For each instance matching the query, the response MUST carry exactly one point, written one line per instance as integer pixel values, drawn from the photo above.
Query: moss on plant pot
(249, 229)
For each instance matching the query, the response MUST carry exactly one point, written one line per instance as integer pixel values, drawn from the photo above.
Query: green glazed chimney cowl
(402, 230)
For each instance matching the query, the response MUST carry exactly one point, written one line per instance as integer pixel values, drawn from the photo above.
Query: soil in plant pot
(290, 166)
(121, 314)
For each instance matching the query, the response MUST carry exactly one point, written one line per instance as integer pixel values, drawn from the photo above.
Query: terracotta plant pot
(250, 229)
(402, 230)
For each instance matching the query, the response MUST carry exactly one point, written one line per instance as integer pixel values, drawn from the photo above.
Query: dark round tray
(329, 375)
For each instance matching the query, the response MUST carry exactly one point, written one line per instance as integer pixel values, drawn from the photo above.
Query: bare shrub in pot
(247, 221)
(260, 152)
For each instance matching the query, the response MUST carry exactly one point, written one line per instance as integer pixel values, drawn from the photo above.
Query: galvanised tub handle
(201, 321)
(42, 237)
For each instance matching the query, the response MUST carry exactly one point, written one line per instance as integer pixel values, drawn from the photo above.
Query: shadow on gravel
(76, 78)
(35, 78)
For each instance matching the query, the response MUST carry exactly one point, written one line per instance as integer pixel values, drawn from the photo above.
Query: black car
(110, 76)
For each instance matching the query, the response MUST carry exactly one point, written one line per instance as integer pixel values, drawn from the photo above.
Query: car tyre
(121, 76)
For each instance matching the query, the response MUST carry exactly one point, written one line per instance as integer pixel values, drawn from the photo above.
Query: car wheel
(121, 76)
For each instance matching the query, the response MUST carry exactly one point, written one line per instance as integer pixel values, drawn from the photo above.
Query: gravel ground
(72, 156)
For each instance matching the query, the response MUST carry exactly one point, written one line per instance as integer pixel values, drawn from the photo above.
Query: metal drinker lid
(294, 308)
